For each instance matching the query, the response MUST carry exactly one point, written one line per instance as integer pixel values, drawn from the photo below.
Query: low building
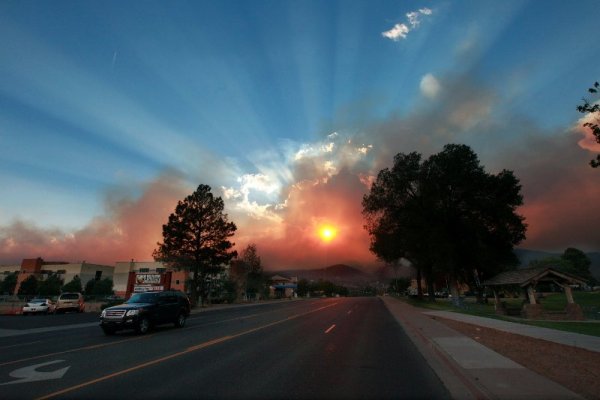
(65, 270)
(282, 286)
(8, 269)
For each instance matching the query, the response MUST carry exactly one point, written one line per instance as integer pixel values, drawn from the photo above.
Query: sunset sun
(327, 233)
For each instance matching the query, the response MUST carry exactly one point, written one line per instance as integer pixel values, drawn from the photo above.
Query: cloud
(589, 141)
(310, 205)
(560, 191)
(130, 228)
(253, 185)
(401, 30)
(327, 188)
(298, 187)
(430, 86)
(560, 188)
(414, 17)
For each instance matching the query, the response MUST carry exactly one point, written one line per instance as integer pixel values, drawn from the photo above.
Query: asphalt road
(322, 348)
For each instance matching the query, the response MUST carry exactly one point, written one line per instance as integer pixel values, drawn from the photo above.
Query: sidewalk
(468, 369)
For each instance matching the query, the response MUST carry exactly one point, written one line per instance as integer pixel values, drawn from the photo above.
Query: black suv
(144, 310)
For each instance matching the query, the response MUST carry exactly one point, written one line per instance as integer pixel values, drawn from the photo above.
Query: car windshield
(143, 298)
(38, 301)
(69, 296)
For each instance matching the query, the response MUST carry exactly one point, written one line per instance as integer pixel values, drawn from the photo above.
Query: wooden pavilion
(527, 279)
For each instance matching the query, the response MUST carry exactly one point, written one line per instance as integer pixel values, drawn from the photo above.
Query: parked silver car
(70, 302)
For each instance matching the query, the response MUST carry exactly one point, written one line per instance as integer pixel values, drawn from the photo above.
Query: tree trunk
(419, 288)
(454, 291)
(430, 288)
(195, 286)
(479, 291)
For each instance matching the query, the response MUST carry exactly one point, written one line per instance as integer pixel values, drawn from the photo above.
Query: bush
(73, 286)
(29, 287)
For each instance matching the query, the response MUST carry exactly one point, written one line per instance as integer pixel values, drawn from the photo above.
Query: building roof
(524, 277)
(279, 278)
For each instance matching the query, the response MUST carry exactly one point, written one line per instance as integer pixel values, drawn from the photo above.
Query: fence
(12, 305)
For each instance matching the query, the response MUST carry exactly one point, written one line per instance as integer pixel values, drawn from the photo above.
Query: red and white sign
(147, 288)
(147, 279)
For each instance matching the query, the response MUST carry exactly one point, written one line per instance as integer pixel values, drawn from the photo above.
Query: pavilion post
(531, 294)
(569, 294)
(496, 300)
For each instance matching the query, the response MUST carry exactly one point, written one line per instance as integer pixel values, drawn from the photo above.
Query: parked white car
(38, 306)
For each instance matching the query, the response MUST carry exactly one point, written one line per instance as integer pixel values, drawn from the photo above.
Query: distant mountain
(526, 256)
(346, 275)
(339, 274)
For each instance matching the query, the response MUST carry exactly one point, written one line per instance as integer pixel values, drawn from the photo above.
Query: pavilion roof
(527, 276)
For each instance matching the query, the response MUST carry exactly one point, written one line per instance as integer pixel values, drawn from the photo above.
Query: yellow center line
(178, 354)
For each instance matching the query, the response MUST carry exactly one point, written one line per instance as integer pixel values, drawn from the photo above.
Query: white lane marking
(29, 374)
(20, 344)
(330, 328)
(18, 332)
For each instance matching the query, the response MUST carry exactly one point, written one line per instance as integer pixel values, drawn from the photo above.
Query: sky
(111, 112)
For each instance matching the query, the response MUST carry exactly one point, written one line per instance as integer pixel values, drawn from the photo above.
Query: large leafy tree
(594, 110)
(396, 217)
(196, 238)
(476, 223)
(446, 215)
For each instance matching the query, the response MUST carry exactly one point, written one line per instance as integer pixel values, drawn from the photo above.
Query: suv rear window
(143, 298)
(69, 296)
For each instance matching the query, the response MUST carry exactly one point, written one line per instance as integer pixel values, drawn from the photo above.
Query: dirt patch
(574, 368)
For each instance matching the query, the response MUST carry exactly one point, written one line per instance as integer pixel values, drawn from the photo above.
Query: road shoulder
(468, 369)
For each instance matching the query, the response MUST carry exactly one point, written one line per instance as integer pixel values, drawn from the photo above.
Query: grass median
(589, 301)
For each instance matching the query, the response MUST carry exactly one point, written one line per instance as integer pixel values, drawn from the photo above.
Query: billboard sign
(147, 288)
(147, 279)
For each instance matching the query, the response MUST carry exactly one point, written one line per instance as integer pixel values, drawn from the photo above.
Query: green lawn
(558, 301)
(590, 302)
(585, 328)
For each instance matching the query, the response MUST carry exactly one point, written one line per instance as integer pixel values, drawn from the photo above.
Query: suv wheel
(180, 320)
(142, 326)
